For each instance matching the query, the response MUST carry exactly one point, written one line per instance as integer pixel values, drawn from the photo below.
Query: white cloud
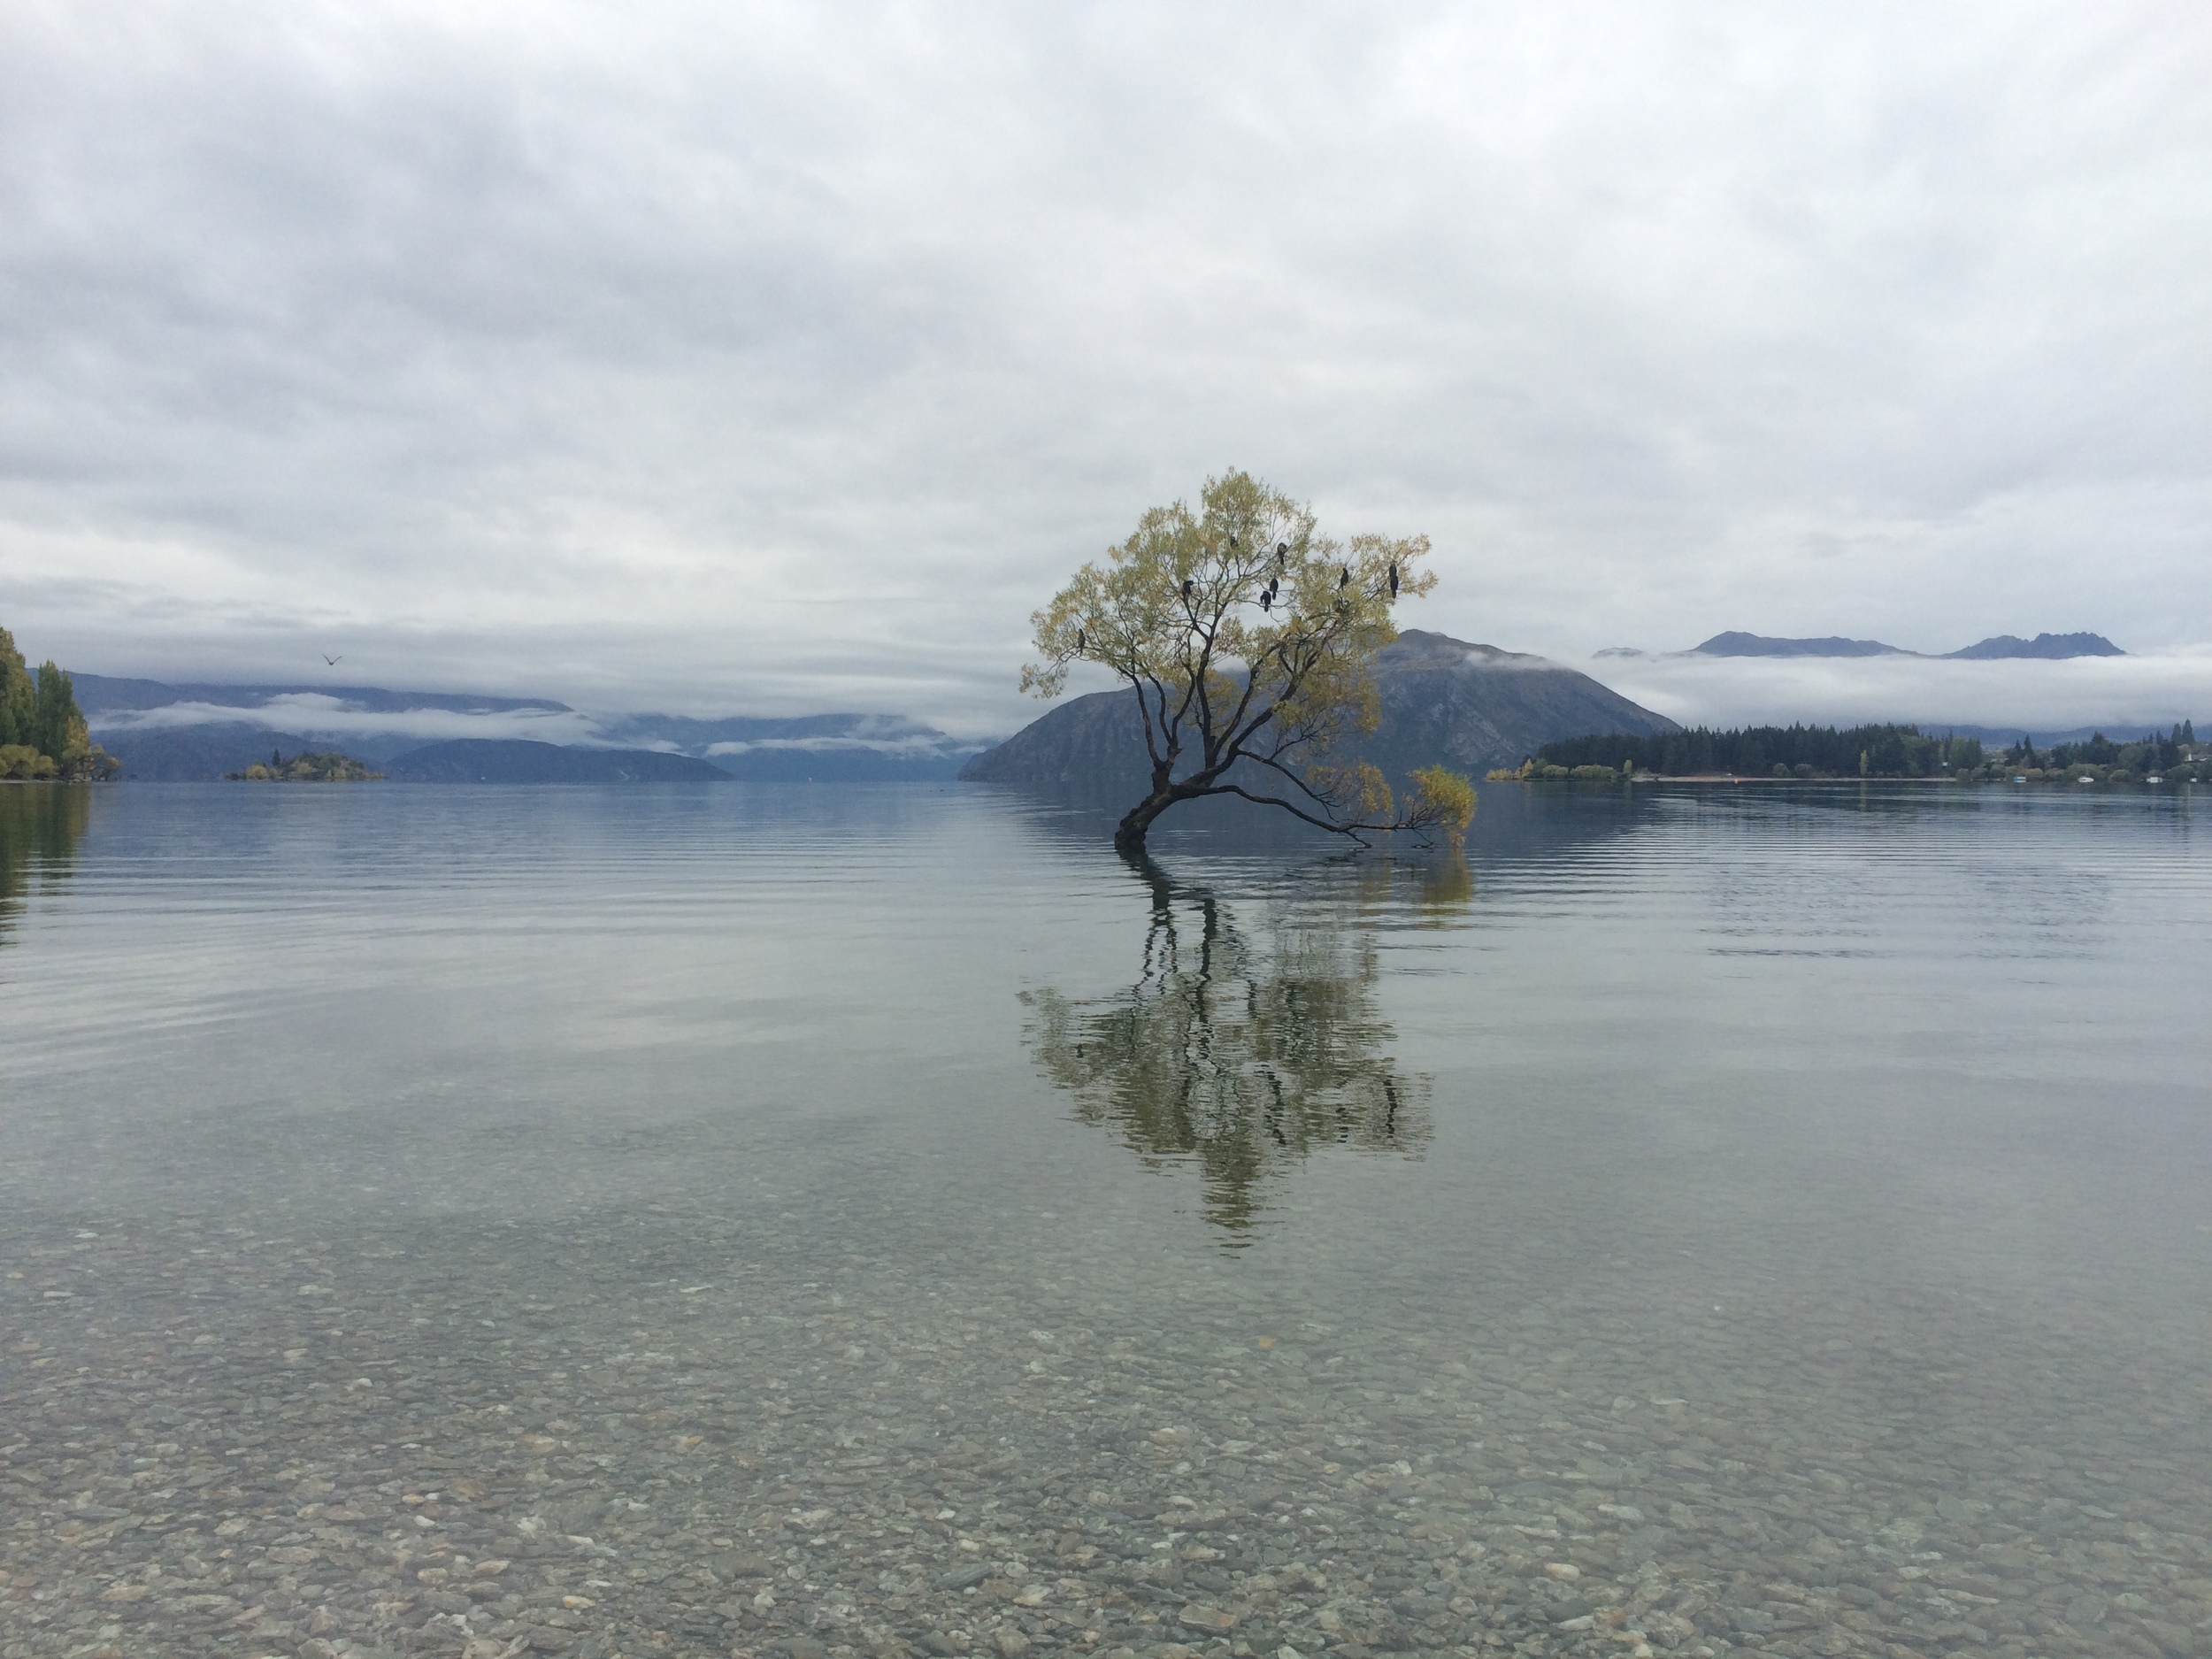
(2028, 693)
(784, 357)
(323, 716)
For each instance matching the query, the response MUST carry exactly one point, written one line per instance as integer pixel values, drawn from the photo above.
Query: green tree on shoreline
(43, 733)
(1865, 751)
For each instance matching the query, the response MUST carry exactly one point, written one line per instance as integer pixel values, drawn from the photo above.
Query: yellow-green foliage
(39, 712)
(329, 766)
(1443, 799)
(1246, 635)
(20, 760)
(1134, 615)
(1544, 771)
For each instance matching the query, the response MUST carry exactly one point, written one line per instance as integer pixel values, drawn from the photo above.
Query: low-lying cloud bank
(2034, 695)
(318, 714)
(162, 731)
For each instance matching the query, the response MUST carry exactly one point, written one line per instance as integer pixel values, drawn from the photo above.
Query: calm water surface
(808, 1221)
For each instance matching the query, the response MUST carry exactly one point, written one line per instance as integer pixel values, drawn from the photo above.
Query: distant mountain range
(2047, 646)
(163, 732)
(1470, 707)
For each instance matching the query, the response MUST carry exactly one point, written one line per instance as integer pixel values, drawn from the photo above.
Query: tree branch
(1352, 831)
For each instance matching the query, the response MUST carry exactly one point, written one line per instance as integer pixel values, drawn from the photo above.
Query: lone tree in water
(1248, 642)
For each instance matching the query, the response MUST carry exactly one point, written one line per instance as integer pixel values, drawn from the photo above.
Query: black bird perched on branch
(1186, 587)
(1393, 581)
(1267, 599)
(1344, 577)
(1079, 637)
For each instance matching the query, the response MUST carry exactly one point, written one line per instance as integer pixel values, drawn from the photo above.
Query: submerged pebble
(462, 1446)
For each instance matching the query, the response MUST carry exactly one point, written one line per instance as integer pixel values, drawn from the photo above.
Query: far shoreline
(1735, 778)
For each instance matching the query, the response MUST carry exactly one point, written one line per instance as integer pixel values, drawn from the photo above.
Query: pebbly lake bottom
(819, 1221)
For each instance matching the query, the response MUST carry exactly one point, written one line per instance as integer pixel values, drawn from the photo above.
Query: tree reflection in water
(1241, 1054)
(40, 827)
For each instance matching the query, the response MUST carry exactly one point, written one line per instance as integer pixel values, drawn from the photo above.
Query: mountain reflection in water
(1243, 1053)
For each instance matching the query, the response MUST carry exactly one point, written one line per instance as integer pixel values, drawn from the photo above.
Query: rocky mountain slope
(1470, 707)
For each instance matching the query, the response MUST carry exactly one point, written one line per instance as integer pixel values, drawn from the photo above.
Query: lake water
(812, 1221)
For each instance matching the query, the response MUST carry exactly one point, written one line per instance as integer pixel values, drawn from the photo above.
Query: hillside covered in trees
(1866, 751)
(41, 733)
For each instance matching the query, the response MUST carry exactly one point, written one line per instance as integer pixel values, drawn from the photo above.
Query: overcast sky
(746, 357)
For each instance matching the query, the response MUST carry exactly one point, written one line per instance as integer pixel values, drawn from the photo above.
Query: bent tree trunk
(1130, 833)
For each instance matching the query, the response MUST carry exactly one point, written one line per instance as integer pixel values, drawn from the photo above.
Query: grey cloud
(785, 358)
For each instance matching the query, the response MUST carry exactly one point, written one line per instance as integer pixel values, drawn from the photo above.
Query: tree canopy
(323, 767)
(1247, 638)
(42, 733)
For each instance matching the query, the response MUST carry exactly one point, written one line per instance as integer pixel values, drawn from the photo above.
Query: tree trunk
(1130, 833)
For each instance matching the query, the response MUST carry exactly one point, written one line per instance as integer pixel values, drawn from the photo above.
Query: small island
(325, 766)
(1804, 753)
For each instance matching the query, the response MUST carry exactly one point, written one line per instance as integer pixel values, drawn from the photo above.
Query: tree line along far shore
(43, 733)
(1863, 751)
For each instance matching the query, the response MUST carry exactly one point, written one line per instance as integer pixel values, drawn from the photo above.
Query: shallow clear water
(1759, 1218)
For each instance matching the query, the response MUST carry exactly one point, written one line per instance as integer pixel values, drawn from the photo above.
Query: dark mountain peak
(1737, 644)
(2049, 646)
(1444, 701)
(1418, 647)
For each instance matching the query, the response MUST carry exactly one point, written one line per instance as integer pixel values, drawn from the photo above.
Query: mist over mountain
(99, 694)
(1467, 706)
(817, 748)
(177, 732)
